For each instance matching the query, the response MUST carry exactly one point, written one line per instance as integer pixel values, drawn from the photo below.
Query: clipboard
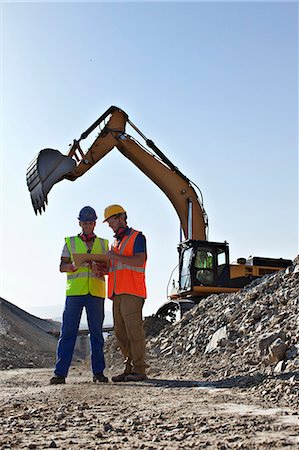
(80, 258)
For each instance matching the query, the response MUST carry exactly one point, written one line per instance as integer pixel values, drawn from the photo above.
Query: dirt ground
(158, 413)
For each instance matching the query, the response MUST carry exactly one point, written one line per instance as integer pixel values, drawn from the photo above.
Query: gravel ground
(159, 413)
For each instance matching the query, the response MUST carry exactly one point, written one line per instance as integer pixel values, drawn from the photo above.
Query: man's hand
(98, 268)
(73, 268)
(112, 256)
(67, 266)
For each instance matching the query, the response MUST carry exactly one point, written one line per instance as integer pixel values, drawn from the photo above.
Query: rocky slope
(24, 338)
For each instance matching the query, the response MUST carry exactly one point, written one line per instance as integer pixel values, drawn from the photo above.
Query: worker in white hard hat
(84, 289)
(127, 290)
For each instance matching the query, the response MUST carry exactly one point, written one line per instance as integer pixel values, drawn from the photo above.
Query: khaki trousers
(129, 332)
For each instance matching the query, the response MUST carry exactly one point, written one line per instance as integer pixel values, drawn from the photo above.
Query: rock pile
(153, 326)
(241, 338)
(247, 339)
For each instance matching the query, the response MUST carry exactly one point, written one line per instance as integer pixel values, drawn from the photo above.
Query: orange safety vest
(124, 278)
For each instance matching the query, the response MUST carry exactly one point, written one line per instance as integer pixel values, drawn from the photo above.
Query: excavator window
(221, 257)
(185, 272)
(221, 267)
(204, 259)
(203, 264)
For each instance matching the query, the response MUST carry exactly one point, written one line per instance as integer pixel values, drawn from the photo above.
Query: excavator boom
(51, 167)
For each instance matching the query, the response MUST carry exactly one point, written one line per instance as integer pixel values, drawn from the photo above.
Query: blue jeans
(70, 323)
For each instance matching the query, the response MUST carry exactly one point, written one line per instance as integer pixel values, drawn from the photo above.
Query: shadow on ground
(240, 381)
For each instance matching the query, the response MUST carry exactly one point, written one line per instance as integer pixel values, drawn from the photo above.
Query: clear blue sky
(215, 85)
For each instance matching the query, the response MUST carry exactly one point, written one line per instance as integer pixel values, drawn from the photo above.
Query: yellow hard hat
(112, 210)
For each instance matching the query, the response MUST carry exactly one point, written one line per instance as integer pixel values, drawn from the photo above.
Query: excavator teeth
(49, 167)
(34, 185)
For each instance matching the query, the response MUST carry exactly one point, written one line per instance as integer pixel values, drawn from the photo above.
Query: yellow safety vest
(84, 281)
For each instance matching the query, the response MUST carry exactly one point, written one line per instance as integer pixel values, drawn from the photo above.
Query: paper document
(80, 258)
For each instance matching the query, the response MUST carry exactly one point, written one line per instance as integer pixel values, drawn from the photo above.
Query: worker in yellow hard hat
(127, 289)
(113, 210)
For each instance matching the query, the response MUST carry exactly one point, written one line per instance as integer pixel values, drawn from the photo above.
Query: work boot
(100, 378)
(57, 379)
(119, 378)
(136, 377)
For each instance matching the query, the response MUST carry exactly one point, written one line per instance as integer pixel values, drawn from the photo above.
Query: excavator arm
(50, 167)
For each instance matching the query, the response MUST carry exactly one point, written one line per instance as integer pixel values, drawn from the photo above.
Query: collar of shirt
(87, 237)
(123, 233)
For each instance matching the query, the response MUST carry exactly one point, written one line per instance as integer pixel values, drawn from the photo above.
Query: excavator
(204, 267)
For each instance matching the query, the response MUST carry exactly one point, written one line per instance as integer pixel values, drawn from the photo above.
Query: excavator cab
(204, 269)
(203, 266)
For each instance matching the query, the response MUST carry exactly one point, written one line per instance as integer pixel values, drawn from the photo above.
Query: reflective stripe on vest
(73, 275)
(121, 266)
(125, 278)
(84, 281)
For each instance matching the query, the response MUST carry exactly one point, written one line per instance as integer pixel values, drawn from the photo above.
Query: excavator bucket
(49, 167)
